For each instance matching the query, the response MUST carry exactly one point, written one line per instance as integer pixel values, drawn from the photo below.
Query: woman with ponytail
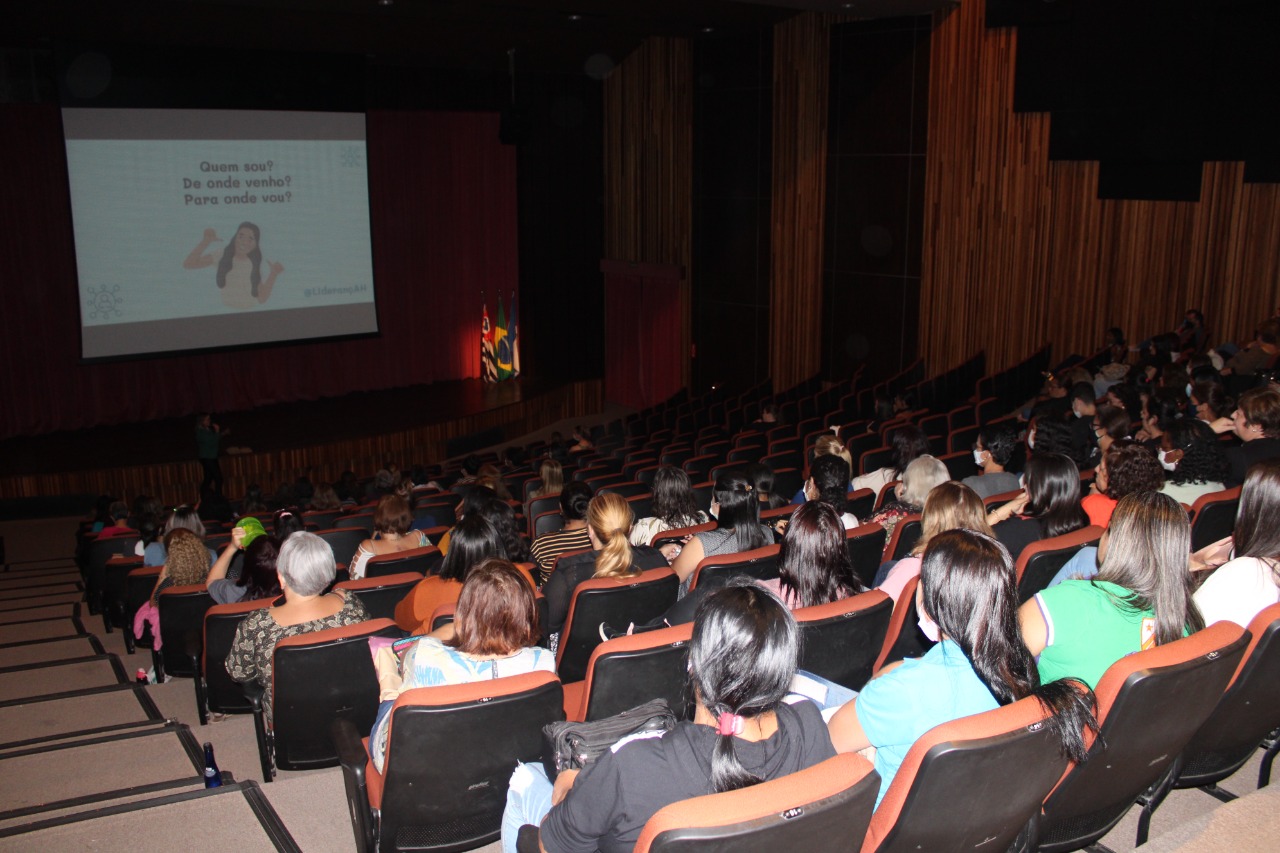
(968, 594)
(609, 520)
(742, 733)
(738, 528)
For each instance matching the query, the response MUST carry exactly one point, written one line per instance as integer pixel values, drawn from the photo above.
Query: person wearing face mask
(969, 589)
(991, 452)
(1193, 460)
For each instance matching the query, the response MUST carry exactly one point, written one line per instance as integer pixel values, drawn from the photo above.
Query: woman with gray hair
(182, 518)
(918, 481)
(306, 569)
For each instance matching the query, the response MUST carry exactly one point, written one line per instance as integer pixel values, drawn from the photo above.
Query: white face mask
(1077, 412)
(1031, 441)
(977, 457)
(928, 627)
(1165, 463)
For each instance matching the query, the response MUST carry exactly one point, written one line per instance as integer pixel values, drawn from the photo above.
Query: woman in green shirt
(1141, 597)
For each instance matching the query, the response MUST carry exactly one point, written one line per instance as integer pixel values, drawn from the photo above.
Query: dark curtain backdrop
(642, 329)
(443, 219)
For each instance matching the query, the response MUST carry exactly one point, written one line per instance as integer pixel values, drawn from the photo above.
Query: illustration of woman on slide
(239, 271)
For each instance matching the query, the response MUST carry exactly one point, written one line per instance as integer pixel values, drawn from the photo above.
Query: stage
(422, 424)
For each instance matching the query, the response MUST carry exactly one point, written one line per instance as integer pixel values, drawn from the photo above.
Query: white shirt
(1237, 591)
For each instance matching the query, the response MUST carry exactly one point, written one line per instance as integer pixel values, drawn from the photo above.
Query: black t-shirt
(571, 571)
(612, 799)
(1017, 533)
(1248, 453)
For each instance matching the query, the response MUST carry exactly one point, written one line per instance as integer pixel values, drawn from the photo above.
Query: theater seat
(818, 810)
(904, 639)
(759, 563)
(841, 640)
(1150, 704)
(317, 678)
(628, 671)
(970, 784)
(216, 690)
(450, 754)
(381, 594)
(1041, 561)
(1247, 715)
(616, 601)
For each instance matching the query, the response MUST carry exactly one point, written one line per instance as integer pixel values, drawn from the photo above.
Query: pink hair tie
(730, 724)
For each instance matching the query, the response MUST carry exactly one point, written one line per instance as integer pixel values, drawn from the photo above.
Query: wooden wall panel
(801, 47)
(1019, 251)
(648, 163)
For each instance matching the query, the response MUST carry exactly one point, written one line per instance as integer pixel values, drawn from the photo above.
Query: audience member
(609, 521)
(286, 522)
(909, 443)
(742, 733)
(494, 634)
(1239, 589)
(829, 482)
(969, 595)
(1140, 598)
(991, 452)
(1125, 468)
(1049, 505)
(119, 526)
(325, 498)
(950, 506)
(738, 528)
(1193, 459)
(1256, 422)
(552, 475)
(918, 480)
(547, 548)
(674, 506)
(257, 578)
(828, 445)
(391, 521)
(306, 569)
(475, 540)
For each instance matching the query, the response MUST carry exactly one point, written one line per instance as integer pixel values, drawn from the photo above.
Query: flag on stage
(502, 343)
(515, 338)
(488, 366)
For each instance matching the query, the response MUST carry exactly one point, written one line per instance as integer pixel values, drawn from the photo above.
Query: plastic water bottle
(212, 776)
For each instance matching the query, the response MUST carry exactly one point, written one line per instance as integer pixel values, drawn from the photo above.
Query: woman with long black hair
(1049, 505)
(738, 527)
(969, 591)
(742, 733)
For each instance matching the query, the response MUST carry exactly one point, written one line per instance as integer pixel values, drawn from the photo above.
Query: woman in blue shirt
(968, 590)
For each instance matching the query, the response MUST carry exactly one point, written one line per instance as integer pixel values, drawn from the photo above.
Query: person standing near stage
(208, 446)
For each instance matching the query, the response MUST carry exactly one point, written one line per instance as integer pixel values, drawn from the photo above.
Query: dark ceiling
(547, 35)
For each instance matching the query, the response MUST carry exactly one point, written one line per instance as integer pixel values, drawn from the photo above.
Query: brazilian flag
(502, 344)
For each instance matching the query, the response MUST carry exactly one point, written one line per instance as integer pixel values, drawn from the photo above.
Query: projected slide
(200, 229)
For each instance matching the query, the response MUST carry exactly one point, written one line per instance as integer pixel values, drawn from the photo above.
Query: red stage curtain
(443, 219)
(642, 332)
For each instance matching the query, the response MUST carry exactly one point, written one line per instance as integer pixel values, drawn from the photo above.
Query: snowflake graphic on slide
(105, 302)
(350, 156)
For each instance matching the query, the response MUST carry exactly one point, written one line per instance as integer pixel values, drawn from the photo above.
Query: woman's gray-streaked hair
(306, 564)
(920, 478)
(185, 518)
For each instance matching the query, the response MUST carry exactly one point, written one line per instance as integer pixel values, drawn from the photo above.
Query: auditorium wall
(1019, 250)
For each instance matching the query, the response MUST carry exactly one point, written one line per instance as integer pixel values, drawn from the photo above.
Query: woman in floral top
(494, 635)
(306, 569)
